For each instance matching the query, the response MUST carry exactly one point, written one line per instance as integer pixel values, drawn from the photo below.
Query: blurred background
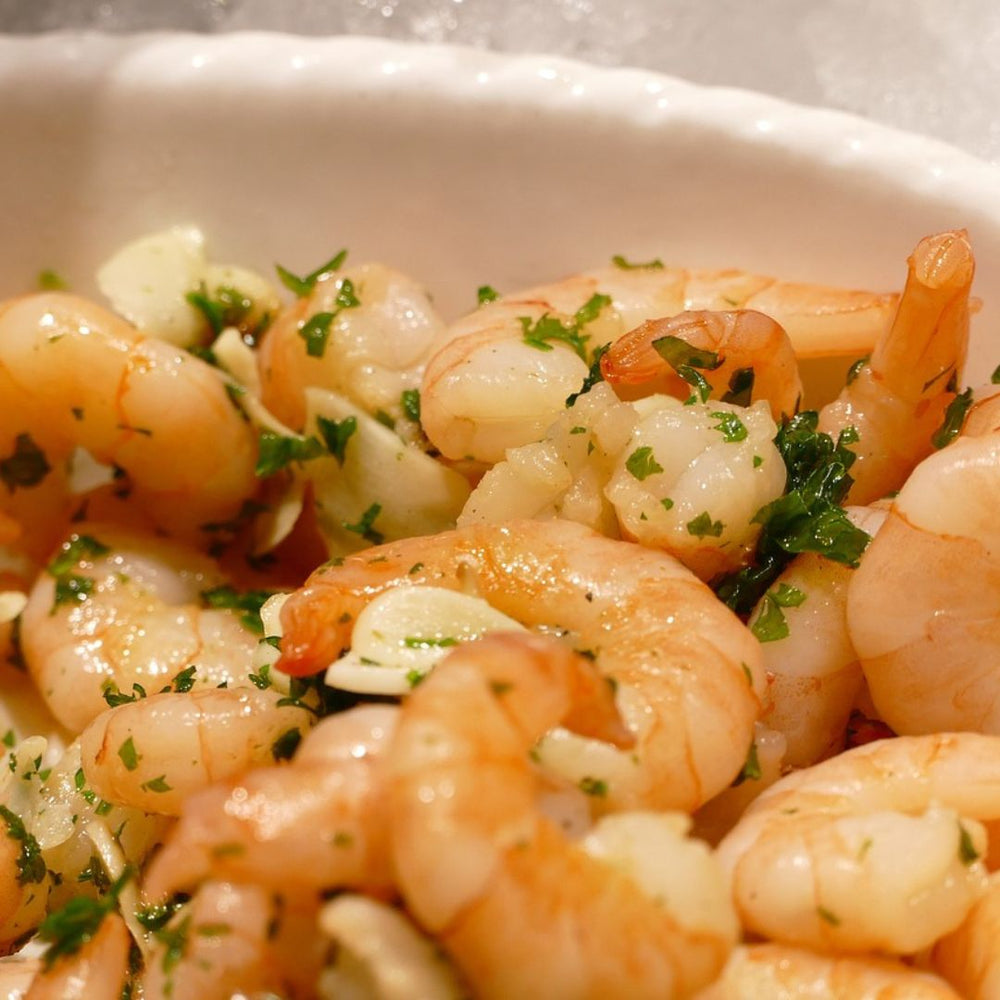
(928, 66)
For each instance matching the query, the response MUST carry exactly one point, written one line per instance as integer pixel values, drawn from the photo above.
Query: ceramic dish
(459, 166)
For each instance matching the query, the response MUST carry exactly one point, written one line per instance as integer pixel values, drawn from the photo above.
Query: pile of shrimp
(557, 650)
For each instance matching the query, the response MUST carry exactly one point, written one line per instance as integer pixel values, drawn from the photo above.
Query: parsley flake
(336, 434)
(625, 265)
(703, 526)
(954, 418)
(304, 285)
(276, 451)
(25, 466)
(733, 429)
(365, 526)
(642, 464)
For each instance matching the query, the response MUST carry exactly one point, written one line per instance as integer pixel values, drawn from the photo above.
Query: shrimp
(877, 849)
(923, 608)
(725, 345)
(377, 327)
(968, 957)
(235, 940)
(520, 909)
(813, 673)
(503, 373)
(897, 399)
(688, 670)
(119, 607)
(152, 753)
(73, 375)
(314, 825)
(691, 479)
(98, 971)
(778, 972)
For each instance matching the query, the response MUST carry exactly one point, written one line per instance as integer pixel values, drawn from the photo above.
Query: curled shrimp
(968, 957)
(812, 669)
(313, 825)
(123, 608)
(779, 972)
(877, 849)
(897, 399)
(924, 605)
(500, 379)
(235, 940)
(380, 327)
(522, 910)
(686, 667)
(98, 971)
(732, 342)
(73, 375)
(152, 753)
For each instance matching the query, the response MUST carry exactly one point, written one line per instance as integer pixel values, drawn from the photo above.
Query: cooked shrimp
(235, 940)
(122, 608)
(501, 378)
(73, 375)
(727, 343)
(152, 753)
(379, 328)
(968, 957)
(314, 825)
(812, 669)
(778, 972)
(924, 606)
(898, 398)
(687, 670)
(691, 479)
(877, 849)
(98, 971)
(521, 910)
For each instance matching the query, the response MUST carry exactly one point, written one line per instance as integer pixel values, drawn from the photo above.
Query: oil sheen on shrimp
(924, 606)
(897, 399)
(74, 375)
(154, 752)
(878, 849)
(315, 825)
(687, 670)
(380, 328)
(522, 910)
(497, 383)
(126, 608)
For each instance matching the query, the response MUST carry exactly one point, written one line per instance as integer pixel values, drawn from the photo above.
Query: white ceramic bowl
(459, 166)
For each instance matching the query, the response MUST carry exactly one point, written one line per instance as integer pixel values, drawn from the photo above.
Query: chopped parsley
(249, 602)
(807, 518)
(995, 377)
(26, 466)
(486, 293)
(51, 281)
(286, 744)
(594, 786)
(770, 625)
(547, 328)
(30, 863)
(429, 642)
(316, 330)
(855, 370)
(828, 916)
(304, 285)
(625, 265)
(409, 400)
(642, 464)
(703, 526)
(158, 784)
(69, 929)
(336, 434)
(966, 849)
(276, 451)
(70, 587)
(688, 362)
(593, 376)
(227, 307)
(740, 389)
(128, 754)
(751, 768)
(733, 429)
(365, 526)
(954, 418)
